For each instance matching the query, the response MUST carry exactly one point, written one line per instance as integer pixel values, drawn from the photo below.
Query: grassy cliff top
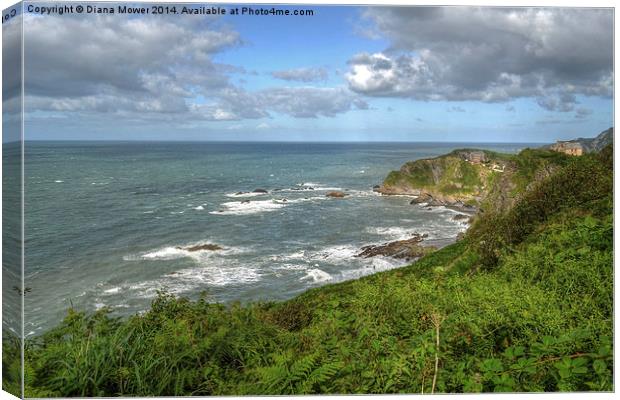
(471, 175)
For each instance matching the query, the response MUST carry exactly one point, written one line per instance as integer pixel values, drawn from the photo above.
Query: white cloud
(488, 54)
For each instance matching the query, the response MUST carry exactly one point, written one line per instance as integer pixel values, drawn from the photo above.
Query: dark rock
(422, 198)
(199, 247)
(336, 194)
(436, 203)
(260, 191)
(460, 217)
(408, 249)
(245, 201)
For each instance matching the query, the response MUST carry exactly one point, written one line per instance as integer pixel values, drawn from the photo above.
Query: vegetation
(522, 303)
(450, 176)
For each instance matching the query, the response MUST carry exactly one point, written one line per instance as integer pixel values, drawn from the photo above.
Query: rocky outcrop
(460, 217)
(201, 247)
(459, 179)
(336, 194)
(577, 147)
(408, 249)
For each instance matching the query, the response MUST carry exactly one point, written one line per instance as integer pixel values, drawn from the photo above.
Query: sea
(109, 224)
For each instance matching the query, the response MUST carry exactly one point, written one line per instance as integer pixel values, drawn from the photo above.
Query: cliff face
(463, 177)
(584, 145)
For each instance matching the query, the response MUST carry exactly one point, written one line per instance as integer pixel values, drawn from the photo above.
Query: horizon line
(268, 141)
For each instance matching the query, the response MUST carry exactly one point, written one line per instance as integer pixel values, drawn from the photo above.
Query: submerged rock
(200, 247)
(260, 191)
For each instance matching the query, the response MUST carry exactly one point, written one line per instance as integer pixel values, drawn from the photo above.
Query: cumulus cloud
(563, 102)
(311, 102)
(298, 102)
(301, 74)
(488, 54)
(157, 68)
(106, 64)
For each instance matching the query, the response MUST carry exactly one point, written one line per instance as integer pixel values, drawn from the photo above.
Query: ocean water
(106, 222)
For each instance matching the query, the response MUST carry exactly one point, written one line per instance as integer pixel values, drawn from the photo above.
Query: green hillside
(522, 303)
(449, 176)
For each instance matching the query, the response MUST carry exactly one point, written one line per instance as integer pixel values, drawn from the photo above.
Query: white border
(505, 3)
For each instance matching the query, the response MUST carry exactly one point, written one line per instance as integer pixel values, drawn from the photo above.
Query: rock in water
(408, 249)
(422, 198)
(460, 217)
(199, 247)
(336, 194)
(260, 191)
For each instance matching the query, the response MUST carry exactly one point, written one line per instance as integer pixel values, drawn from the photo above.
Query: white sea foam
(113, 290)
(199, 208)
(373, 265)
(290, 267)
(59, 181)
(335, 254)
(180, 251)
(166, 253)
(246, 208)
(245, 194)
(298, 255)
(327, 188)
(317, 275)
(299, 200)
(392, 232)
(219, 276)
(192, 279)
(310, 186)
(363, 193)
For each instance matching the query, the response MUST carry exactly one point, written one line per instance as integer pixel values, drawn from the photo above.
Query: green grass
(456, 176)
(531, 311)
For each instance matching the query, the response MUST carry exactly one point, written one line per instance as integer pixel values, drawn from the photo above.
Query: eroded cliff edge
(463, 178)
(480, 180)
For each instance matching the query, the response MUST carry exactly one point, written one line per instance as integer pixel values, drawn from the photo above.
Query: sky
(456, 74)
